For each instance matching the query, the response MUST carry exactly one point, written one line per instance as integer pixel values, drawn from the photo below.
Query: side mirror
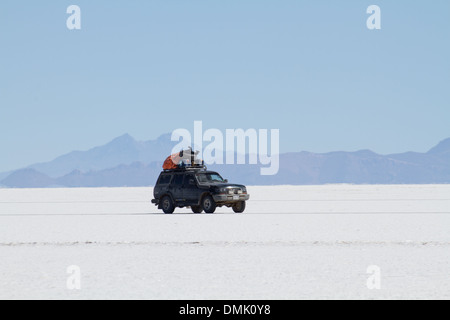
(226, 180)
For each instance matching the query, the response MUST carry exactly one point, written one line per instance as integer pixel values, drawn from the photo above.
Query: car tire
(197, 209)
(167, 205)
(208, 204)
(239, 207)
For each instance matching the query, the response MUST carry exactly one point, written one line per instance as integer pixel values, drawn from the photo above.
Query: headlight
(221, 190)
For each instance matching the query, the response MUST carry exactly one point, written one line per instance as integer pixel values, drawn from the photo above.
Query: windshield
(209, 177)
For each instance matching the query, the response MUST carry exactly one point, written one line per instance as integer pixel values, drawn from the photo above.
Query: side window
(187, 178)
(178, 180)
(165, 179)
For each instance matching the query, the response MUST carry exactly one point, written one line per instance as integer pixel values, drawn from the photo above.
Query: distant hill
(28, 178)
(361, 167)
(442, 150)
(122, 150)
(136, 174)
(127, 162)
(3, 175)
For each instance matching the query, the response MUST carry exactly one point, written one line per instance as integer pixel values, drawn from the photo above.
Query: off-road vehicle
(199, 189)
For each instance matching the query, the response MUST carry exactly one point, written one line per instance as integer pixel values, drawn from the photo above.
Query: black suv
(199, 189)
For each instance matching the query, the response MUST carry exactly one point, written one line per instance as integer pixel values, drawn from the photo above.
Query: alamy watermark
(374, 21)
(235, 144)
(374, 280)
(74, 279)
(73, 22)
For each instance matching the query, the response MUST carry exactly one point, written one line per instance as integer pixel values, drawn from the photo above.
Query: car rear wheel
(239, 207)
(208, 204)
(197, 209)
(167, 205)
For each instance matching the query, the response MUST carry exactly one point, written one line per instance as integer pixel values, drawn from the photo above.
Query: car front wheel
(239, 207)
(208, 204)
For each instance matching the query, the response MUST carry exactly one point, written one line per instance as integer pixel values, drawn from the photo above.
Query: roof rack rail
(187, 168)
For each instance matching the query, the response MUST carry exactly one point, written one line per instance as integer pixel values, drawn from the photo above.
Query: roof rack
(188, 168)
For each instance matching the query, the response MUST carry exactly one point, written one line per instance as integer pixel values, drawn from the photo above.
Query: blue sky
(309, 68)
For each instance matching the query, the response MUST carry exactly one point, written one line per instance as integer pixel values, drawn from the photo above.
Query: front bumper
(230, 198)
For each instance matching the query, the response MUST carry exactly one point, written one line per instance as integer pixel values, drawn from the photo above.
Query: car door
(190, 189)
(176, 187)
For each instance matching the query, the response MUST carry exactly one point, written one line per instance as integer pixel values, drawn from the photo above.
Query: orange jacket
(172, 162)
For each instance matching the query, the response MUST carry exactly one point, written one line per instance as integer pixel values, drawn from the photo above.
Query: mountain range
(127, 162)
